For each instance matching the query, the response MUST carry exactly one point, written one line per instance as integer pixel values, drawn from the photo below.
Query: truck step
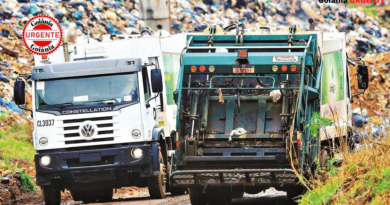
(241, 151)
(245, 136)
(234, 177)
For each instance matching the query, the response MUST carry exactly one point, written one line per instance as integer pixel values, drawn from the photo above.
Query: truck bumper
(115, 165)
(234, 177)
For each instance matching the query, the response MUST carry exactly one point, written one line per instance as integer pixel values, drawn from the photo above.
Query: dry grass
(363, 178)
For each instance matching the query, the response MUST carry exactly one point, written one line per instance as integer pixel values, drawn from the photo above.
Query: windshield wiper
(62, 105)
(105, 100)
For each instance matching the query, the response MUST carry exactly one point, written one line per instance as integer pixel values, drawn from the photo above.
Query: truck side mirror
(175, 96)
(19, 95)
(362, 76)
(157, 82)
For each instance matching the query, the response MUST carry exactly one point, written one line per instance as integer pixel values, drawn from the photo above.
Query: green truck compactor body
(243, 103)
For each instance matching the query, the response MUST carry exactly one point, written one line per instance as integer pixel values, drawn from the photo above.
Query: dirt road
(269, 197)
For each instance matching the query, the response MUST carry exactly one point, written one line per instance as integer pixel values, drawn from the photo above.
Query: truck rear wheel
(196, 196)
(157, 184)
(52, 194)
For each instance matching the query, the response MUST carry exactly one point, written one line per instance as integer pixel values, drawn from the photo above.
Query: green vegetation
(16, 147)
(17, 151)
(316, 123)
(27, 183)
(364, 177)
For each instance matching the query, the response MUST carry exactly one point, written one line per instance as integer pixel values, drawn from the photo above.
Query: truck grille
(105, 130)
(76, 162)
(85, 119)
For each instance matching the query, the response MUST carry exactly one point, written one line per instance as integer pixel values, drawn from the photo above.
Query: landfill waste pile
(365, 33)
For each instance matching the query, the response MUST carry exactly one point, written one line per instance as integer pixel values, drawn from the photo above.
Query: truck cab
(99, 120)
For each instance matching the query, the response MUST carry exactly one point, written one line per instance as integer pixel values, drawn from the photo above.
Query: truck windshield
(89, 91)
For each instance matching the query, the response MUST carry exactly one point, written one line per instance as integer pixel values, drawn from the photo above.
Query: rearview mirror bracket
(362, 77)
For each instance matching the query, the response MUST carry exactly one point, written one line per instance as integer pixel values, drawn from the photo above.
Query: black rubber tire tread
(51, 194)
(175, 191)
(237, 194)
(196, 196)
(156, 185)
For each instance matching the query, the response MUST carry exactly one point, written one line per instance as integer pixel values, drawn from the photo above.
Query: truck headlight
(45, 160)
(136, 134)
(43, 141)
(136, 153)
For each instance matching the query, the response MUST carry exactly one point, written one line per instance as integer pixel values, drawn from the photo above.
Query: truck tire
(175, 191)
(157, 184)
(52, 194)
(237, 194)
(196, 196)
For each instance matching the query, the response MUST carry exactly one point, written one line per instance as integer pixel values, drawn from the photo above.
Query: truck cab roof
(86, 68)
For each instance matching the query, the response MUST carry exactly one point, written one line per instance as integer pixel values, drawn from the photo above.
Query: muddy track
(270, 197)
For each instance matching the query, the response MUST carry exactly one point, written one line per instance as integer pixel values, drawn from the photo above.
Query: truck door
(151, 105)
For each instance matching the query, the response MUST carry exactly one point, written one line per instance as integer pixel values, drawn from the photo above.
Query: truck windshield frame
(87, 91)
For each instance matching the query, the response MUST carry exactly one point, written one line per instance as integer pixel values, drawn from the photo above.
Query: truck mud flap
(233, 177)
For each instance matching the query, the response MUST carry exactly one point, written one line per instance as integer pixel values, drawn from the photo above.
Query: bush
(27, 183)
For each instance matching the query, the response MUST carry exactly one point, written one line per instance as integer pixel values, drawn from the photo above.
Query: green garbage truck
(244, 98)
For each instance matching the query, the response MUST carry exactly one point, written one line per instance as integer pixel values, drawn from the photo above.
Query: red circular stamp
(42, 35)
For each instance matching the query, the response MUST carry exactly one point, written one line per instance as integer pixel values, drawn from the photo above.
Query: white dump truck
(100, 119)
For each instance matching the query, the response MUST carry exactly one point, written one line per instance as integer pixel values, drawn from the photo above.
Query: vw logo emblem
(88, 129)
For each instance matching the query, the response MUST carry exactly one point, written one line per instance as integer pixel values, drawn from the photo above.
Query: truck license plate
(91, 157)
(244, 69)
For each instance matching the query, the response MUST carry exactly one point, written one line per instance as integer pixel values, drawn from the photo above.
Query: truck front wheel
(157, 184)
(52, 194)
